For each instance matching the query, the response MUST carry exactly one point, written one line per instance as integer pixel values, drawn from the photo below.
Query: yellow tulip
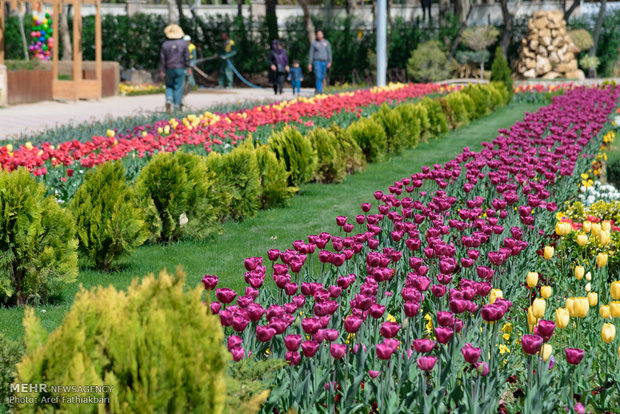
(570, 306)
(538, 308)
(588, 276)
(608, 333)
(546, 352)
(531, 319)
(582, 240)
(548, 253)
(615, 290)
(614, 308)
(587, 226)
(593, 299)
(604, 238)
(494, 295)
(601, 259)
(588, 287)
(561, 318)
(109, 133)
(562, 229)
(532, 279)
(604, 311)
(596, 229)
(581, 306)
(579, 272)
(606, 225)
(546, 291)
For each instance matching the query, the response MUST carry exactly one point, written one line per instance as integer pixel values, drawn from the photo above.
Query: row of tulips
(406, 308)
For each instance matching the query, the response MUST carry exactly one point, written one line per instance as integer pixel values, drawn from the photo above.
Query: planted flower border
(408, 310)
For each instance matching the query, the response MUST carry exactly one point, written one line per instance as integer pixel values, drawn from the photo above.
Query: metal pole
(381, 41)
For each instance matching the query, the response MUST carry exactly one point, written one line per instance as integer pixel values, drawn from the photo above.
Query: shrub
(245, 387)
(370, 137)
(274, 188)
(10, 354)
(581, 38)
(448, 111)
(478, 98)
(437, 119)
(331, 165)
(428, 63)
(237, 175)
(156, 345)
(392, 124)
(412, 123)
(38, 248)
(456, 100)
(109, 222)
(353, 155)
(502, 91)
(297, 154)
(177, 191)
(500, 72)
(613, 172)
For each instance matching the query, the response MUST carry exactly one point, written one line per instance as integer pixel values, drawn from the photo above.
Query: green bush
(245, 387)
(479, 99)
(109, 222)
(392, 124)
(354, 158)
(332, 166)
(500, 72)
(457, 102)
(581, 38)
(155, 344)
(178, 192)
(274, 188)
(503, 95)
(296, 153)
(237, 174)
(448, 111)
(428, 63)
(10, 354)
(613, 172)
(371, 138)
(437, 119)
(412, 116)
(38, 248)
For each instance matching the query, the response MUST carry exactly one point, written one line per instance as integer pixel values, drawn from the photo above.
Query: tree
(568, 12)
(508, 23)
(307, 20)
(20, 17)
(597, 33)
(173, 14)
(271, 19)
(67, 47)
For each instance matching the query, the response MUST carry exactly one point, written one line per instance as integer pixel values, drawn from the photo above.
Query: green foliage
(479, 37)
(109, 223)
(479, 98)
(331, 165)
(38, 249)
(500, 71)
(296, 153)
(177, 191)
(274, 188)
(581, 38)
(428, 63)
(412, 115)
(448, 111)
(10, 354)
(458, 104)
(156, 345)
(603, 210)
(613, 172)
(371, 138)
(237, 174)
(392, 124)
(437, 119)
(354, 158)
(246, 387)
(589, 62)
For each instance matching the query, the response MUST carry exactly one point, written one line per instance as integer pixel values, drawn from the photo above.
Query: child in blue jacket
(295, 76)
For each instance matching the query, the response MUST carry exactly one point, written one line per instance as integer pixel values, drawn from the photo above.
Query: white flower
(183, 219)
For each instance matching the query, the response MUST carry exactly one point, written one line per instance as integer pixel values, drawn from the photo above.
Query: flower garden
(485, 283)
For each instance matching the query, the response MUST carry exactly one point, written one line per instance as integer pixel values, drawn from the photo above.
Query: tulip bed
(422, 304)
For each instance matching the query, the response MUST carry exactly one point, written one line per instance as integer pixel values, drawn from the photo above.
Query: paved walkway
(32, 118)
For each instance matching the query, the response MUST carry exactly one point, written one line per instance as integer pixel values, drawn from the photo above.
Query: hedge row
(188, 196)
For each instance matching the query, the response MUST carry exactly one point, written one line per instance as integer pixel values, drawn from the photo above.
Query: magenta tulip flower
(273, 254)
(234, 341)
(389, 329)
(237, 353)
(426, 363)
(545, 329)
(264, 333)
(225, 295)
(215, 307)
(293, 357)
(373, 374)
(337, 350)
(292, 342)
(411, 309)
(531, 344)
(471, 354)
(240, 322)
(384, 351)
(482, 368)
(574, 355)
(210, 281)
(309, 348)
(443, 334)
(352, 324)
(423, 346)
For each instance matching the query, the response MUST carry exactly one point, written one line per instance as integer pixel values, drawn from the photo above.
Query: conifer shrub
(178, 193)
(448, 111)
(354, 158)
(237, 174)
(10, 354)
(109, 222)
(38, 248)
(456, 100)
(331, 164)
(500, 72)
(428, 63)
(156, 345)
(296, 153)
(274, 188)
(371, 138)
(412, 120)
(392, 124)
(501, 89)
(438, 123)
(479, 100)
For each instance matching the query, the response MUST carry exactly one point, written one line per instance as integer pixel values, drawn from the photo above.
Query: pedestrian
(278, 61)
(320, 59)
(227, 51)
(426, 5)
(192, 60)
(174, 64)
(296, 76)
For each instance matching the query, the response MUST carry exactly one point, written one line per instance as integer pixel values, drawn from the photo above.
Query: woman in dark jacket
(278, 62)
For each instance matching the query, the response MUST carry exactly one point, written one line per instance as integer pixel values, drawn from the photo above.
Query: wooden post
(98, 45)
(77, 43)
(2, 32)
(57, 9)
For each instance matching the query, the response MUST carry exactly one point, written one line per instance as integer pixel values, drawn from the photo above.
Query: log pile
(547, 51)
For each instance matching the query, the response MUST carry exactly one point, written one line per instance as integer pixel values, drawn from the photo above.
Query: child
(295, 76)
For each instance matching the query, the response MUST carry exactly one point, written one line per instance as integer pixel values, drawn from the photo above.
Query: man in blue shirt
(174, 63)
(320, 59)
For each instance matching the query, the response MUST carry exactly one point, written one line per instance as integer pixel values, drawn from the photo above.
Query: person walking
(191, 82)
(320, 59)
(296, 76)
(278, 64)
(228, 51)
(174, 64)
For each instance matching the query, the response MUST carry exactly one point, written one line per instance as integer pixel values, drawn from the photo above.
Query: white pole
(381, 41)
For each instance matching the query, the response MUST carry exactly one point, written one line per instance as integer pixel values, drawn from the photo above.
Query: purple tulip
(240, 322)
(373, 374)
(273, 254)
(337, 350)
(264, 333)
(292, 342)
(443, 334)
(352, 324)
(237, 353)
(309, 348)
(482, 368)
(384, 351)
(445, 319)
(215, 307)
(234, 341)
(210, 281)
(574, 355)
(423, 346)
(471, 354)
(438, 290)
(377, 311)
(545, 329)
(226, 317)
(426, 363)
(389, 329)
(225, 295)
(293, 357)
(531, 344)
(492, 313)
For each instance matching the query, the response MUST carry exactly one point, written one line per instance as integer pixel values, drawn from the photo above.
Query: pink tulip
(210, 281)
(384, 351)
(443, 334)
(531, 344)
(234, 341)
(377, 311)
(264, 333)
(337, 350)
(574, 355)
(309, 348)
(237, 353)
(389, 329)
(292, 342)
(293, 357)
(423, 346)
(426, 363)
(545, 329)
(225, 295)
(352, 324)
(215, 307)
(373, 374)
(471, 354)
(482, 368)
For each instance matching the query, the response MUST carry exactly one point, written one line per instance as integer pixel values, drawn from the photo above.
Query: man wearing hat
(174, 63)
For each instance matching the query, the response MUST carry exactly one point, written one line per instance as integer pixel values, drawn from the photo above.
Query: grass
(312, 211)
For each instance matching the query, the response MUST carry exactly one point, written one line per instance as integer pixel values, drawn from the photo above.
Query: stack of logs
(547, 51)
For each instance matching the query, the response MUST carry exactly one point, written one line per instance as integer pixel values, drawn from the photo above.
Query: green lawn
(312, 211)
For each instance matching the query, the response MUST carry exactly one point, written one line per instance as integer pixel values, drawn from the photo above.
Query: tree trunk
(67, 47)
(457, 40)
(180, 9)
(507, 35)
(462, 8)
(240, 8)
(307, 20)
(597, 33)
(20, 18)
(571, 9)
(173, 13)
(271, 19)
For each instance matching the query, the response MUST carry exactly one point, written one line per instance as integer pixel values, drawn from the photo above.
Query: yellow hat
(174, 31)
